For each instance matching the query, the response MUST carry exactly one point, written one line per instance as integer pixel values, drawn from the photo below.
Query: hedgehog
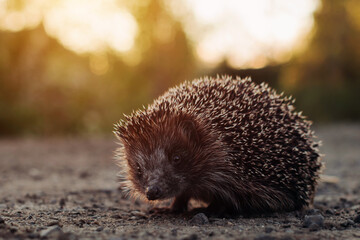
(235, 145)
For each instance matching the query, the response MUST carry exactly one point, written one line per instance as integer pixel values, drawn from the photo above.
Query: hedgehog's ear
(190, 130)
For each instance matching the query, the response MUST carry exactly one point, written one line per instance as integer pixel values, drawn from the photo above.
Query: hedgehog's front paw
(178, 208)
(180, 204)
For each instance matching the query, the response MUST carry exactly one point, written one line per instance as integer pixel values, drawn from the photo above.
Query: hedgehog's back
(268, 141)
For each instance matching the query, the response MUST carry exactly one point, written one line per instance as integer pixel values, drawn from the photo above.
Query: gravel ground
(66, 189)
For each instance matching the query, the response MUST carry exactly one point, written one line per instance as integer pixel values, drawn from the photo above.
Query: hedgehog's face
(158, 175)
(160, 160)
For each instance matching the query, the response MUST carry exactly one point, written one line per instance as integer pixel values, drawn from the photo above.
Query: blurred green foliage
(325, 77)
(46, 89)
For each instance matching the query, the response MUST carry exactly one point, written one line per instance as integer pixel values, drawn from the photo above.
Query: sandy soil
(66, 189)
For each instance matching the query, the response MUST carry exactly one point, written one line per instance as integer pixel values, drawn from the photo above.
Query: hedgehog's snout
(153, 192)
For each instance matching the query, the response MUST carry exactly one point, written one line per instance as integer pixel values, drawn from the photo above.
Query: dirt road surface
(65, 188)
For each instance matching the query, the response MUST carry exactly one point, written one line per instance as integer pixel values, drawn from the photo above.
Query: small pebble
(51, 232)
(84, 175)
(269, 229)
(313, 211)
(330, 211)
(53, 223)
(139, 214)
(347, 223)
(314, 222)
(62, 202)
(174, 232)
(99, 229)
(116, 216)
(191, 237)
(344, 224)
(357, 219)
(199, 219)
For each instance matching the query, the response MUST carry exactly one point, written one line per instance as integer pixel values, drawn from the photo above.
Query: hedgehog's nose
(153, 192)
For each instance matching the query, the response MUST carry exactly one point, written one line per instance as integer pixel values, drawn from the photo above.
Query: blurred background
(75, 66)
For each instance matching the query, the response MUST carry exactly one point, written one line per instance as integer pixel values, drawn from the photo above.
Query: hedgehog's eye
(139, 171)
(176, 158)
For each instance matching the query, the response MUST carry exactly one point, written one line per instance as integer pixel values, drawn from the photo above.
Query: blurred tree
(47, 89)
(161, 58)
(167, 57)
(325, 77)
(37, 93)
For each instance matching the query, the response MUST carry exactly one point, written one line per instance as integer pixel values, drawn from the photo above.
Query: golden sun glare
(80, 25)
(245, 33)
(91, 25)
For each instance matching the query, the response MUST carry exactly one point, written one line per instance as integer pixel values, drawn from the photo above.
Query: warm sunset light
(89, 26)
(245, 33)
(81, 25)
(172, 119)
(15, 19)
